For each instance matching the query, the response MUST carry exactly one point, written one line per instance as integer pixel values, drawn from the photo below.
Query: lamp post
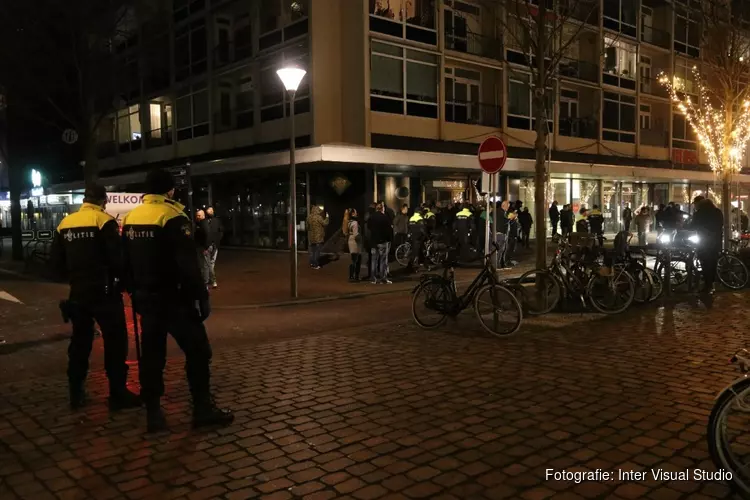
(291, 78)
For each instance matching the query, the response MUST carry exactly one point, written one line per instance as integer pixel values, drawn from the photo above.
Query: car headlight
(694, 239)
(665, 238)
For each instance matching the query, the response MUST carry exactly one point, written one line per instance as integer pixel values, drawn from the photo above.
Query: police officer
(596, 224)
(170, 294)
(87, 250)
(462, 227)
(417, 233)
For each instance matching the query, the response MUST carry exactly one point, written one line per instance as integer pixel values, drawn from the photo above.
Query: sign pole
(495, 229)
(487, 218)
(492, 156)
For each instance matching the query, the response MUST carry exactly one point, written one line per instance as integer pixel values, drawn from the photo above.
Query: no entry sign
(492, 155)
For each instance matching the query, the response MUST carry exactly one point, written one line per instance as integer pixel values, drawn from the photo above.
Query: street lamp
(291, 77)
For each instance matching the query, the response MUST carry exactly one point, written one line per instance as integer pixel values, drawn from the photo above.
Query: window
(569, 125)
(274, 100)
(403, 81)
(190, 50)
(281, 21)
(520, 102)
(463, 99)
(686, 32)
(160, 124)
(684, 78)
(619, 57)
(618, 118)
(644, 117)
(235, 103)
(184, 8)
(192, 112)
(462, 22)
(129, 129)
(410, 19)
(233, 39)
(620, 15)
(683, 135)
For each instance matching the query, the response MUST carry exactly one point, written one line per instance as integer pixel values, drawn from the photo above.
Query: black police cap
(159, 182)
(95, 193)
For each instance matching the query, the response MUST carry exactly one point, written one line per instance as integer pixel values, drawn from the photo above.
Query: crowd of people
(381, 230)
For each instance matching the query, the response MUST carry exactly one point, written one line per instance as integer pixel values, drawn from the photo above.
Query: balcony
(583, 11)
(582, 70)
(655, 36)
(474, 113)
(651, 86)
(472, 43)
(585, 128)
(654, 137)
(231, 52)
(230, 119)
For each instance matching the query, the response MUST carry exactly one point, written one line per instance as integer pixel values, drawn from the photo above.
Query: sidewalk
(250, 278)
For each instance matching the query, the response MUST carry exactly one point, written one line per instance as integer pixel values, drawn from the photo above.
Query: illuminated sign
(119, 204)
(36, 178)
(37, 191)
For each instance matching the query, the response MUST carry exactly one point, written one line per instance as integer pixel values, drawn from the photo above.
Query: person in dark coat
(566, 221)
(526, 221)
(596, 224)
(627, 217)
(708, 222)
(554, 217)
(381, 234)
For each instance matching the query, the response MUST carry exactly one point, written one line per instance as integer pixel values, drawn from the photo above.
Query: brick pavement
(394, 412)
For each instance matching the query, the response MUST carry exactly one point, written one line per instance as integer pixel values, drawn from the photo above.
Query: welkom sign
(119, 204)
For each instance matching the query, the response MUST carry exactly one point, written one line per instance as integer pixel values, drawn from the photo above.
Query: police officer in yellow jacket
(87, 250)
(171, 296)
(417, 234)
(462, 227)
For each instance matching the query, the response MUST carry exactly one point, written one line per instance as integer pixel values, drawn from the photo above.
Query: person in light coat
(351, 229)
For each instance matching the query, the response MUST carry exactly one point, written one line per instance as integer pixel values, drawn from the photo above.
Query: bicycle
(609, 290)
(439, 296)
(736, 396)
(730, 270)
(434, 253)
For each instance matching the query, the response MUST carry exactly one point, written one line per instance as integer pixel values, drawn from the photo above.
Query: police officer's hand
(204, 308)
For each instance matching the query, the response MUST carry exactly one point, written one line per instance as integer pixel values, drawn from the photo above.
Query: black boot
(351, 272)
(206, 413)
(122, 399)
(155, 420)
(78, 397)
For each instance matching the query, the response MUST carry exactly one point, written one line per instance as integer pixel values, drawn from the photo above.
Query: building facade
(398, 95)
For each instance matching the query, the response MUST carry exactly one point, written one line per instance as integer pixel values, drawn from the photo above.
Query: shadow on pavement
(6, 349)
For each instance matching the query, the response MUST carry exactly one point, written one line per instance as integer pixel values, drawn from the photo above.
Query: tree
(61, 64)
(544, 30)
(719, 108)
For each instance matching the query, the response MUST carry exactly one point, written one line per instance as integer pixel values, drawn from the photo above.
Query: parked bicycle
(728, 425)
(435, 253)
(609, 290)
(436, 298)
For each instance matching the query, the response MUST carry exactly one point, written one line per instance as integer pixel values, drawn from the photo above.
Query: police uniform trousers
(162, 314)
(108, 312)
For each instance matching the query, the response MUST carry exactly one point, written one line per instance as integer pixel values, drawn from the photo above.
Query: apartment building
(397, 97)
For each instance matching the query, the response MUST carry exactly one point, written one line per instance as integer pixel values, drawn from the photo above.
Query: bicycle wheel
(428, 307)
(679, 274)
(732, 272)
(498, 310)
(644, 286)
(538, 291)
(611, 294)
(403, 254)
(730, 416)
(656, 285)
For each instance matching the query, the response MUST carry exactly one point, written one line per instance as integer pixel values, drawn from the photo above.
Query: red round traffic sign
(492, 155)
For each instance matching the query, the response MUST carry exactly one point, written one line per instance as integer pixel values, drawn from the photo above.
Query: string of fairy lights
(723, 140)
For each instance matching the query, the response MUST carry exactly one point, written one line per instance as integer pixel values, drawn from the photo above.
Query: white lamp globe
(291, 77)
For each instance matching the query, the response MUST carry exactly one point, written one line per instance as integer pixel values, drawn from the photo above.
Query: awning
(334, 153)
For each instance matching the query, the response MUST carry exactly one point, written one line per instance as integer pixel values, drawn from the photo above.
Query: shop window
(684, 78)
(129, 129)
(192, 112)
(687, 32)
(160, 124)
(274, 100)
(683, 135)
(618, 118)
(619, 63)
(409, 19)
(184, 8)
(191, 50)
(620, 15)
(403, 81)
(282, 21)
